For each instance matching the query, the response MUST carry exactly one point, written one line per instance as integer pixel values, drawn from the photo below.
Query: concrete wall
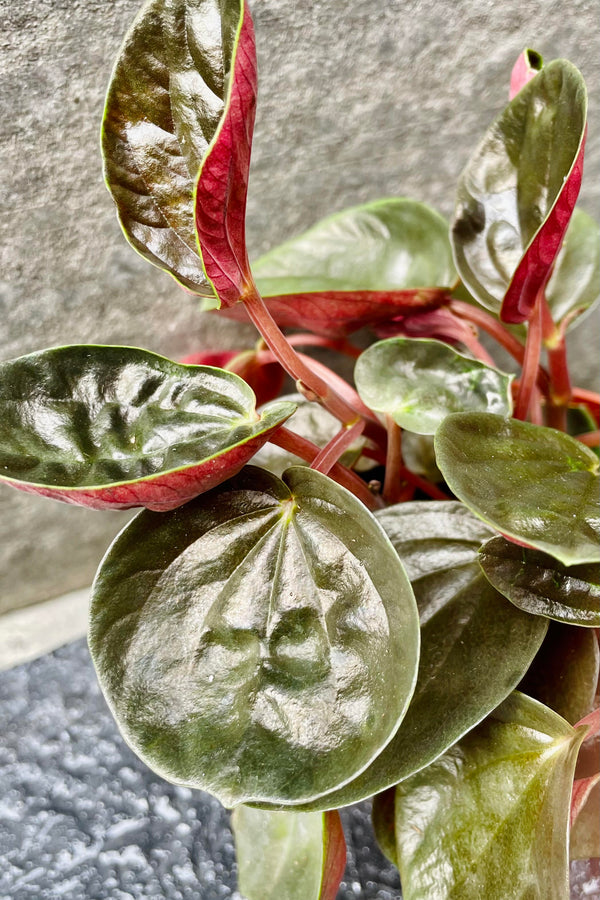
(357, 101)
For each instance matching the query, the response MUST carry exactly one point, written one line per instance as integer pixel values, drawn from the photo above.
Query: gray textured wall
(357, 101)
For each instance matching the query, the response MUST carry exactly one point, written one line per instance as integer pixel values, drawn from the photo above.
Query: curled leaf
(517, 193)
(526, 67)
(118, 427)
(270, 651)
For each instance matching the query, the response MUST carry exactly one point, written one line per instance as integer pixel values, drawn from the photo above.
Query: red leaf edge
(535, 268)
(161, 492)
(221, 187)
(334, 854)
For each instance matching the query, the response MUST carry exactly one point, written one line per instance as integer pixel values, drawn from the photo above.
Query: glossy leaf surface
(288, 855)
(489, 818)
(419, 382)
(539, 584)
(517, 193)
(222, 184)
(358, 267)
(526, 67)
(310, 421)
(164, 104)
(564, 673)
(574, 286)
(534, 484)
(474, 648)
(118, 427)
(271, 650)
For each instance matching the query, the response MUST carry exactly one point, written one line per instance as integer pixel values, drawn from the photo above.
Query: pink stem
(533, 348)
(316, 340)
(392, 485)
(307, 451)
(291, 361)
(336, 447)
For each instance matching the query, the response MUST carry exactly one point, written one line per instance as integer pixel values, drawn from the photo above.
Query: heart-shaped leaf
(222, 184)
(534, 484)
(564, 673)
(574, 286)
(526, 67)
(419, 382)
(310, 421)
(539, 584)
(517, 193)
(270, 651)
(165, 101)
(474, 649)
(288, 855)
(117, 427)
(490, 817)
(359, 267)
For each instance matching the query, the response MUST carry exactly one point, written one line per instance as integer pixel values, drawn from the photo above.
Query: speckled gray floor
(81, 817)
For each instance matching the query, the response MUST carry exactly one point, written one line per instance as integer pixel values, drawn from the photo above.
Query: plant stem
(340, 345)
(336, 447)
(392, 485)
(291, 361)
(590, 439)
(590, 398)
(307, 451)
(560, 390)
(533, 348)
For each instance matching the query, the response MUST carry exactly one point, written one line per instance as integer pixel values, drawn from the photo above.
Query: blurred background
(357, 101)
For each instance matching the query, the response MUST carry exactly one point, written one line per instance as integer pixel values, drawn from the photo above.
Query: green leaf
(574, 286)
(475, 646)
(270, 651)
(518, 190)
(287, 855)
(539, 584)
(564, 674)
(390, 244)
(116, 427)
(419, 382)
(310, 421)
(534, 484)
(489, 818)
(164, 104)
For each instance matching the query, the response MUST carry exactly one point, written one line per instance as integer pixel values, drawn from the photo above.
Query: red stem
(531, 362)
(316, 340)
(432, 490)
(291, 361)
(494, 328)
(590, 439)
(307, 451)
(392, 485)
(560, 391)
(336, 447)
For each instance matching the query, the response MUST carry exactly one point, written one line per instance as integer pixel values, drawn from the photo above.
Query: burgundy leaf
(221, 188)
(338, 313)
(526, 67)
(535, 268)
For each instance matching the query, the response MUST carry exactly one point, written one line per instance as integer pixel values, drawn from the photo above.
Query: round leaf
(539, 584)
(117, 427)
(475, 646)
(270, 651)
(419, 382)
(490, 817)
(518, 190)
(534, 484)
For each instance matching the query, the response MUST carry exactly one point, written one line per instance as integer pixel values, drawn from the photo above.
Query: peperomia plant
(411, 616)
